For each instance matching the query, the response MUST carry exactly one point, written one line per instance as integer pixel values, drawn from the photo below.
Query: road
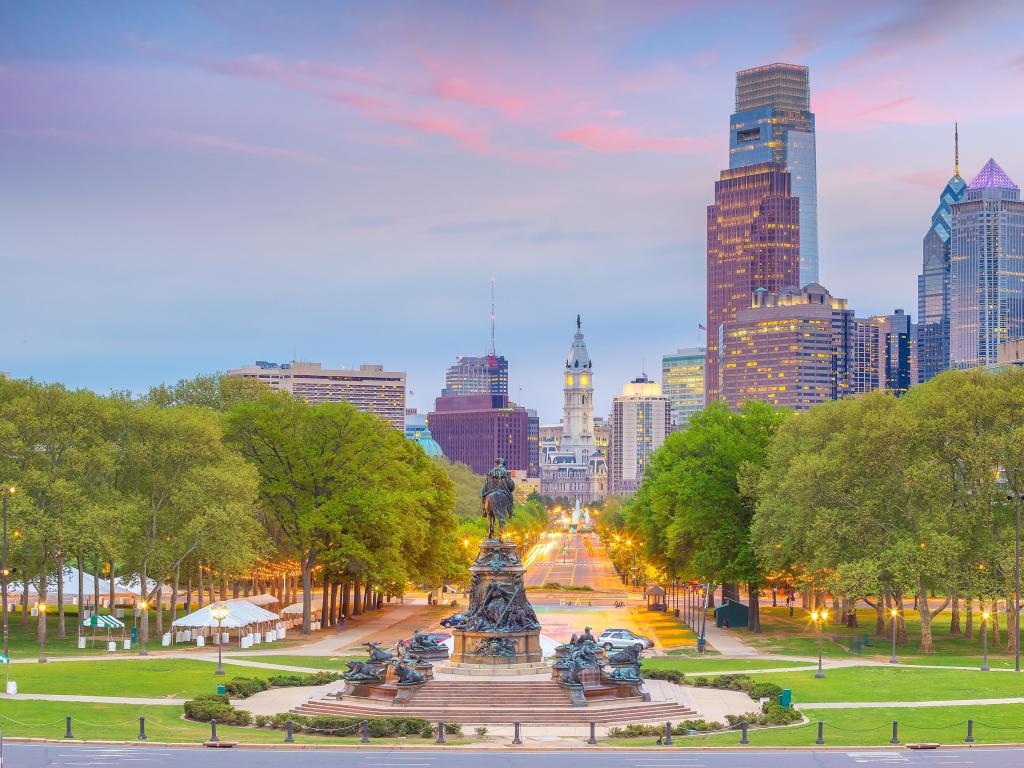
(572, 559)
(40, 755)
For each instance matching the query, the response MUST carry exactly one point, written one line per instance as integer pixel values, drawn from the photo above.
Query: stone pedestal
(499, 628)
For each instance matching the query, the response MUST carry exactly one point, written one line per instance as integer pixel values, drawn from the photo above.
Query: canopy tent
(263, 600)
(292, 614)
(103, 621)
(242, 616)
(123, 588)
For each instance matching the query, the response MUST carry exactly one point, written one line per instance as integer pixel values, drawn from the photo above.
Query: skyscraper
(897, 359)
(773, 122)
(933, 282)
(753, 242)
(682, 382)
(641, 420)
(476, 429)
(986, 288)
(483, 375)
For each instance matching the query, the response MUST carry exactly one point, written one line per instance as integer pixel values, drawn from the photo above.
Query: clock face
(584, 380)
(568, 379)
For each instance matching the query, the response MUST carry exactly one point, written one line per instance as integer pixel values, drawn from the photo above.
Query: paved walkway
(727, 643)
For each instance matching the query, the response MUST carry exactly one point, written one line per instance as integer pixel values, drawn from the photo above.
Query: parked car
(617, 639)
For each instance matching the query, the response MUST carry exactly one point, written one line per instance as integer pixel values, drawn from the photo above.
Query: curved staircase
(480, 702)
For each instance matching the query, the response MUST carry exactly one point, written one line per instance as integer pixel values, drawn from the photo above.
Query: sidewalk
(727, 643)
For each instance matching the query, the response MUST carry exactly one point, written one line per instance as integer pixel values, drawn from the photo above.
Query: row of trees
(868, 499)
(216, 476)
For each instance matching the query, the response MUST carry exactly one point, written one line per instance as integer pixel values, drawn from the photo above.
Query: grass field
(993, 724)
(311, 662)
(149, 678)
(700, 666)
(120, 722)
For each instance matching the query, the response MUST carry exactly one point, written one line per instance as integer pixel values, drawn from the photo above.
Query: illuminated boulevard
(572, 560)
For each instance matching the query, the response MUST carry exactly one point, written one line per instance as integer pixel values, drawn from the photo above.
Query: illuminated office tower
(641, 420)
(986, 287)
(682, 382)
(773, 122)
(753, 231)
(933, 282)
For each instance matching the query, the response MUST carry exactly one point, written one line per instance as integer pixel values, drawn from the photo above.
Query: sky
(188, 187)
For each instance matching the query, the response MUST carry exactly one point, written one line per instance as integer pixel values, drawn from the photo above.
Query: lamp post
(219, 613)
(1015, 497)
(4, 571)
(143, 606)
(818, 617)
(41, 609)
(984, 639)
(893, 613)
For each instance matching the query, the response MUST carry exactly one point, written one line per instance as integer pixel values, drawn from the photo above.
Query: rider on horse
(496, 496)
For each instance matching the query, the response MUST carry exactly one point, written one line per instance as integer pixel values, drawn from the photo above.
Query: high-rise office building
(477, 429)
(773, 122)
(753, 242)
(897, 358)
(933, 282)
(641, 420)
(793, 348)
(483, 375)
(369, 387)
(986, 288)
(682, 382)
(866, 371)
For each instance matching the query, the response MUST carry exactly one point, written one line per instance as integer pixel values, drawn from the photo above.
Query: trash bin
(135, 634)
(221, 690)
(786, 698)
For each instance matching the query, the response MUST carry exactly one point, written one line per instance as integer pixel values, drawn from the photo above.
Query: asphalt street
(573, 559)
(39, 755)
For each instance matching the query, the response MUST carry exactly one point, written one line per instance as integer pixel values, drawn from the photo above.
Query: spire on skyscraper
(493, 350)
(956, 149)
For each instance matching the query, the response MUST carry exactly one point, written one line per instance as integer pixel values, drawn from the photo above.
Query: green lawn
(150, 678)
(311, 662)
(898, 684)
(117, 722)
(700, 666)
(994, 724)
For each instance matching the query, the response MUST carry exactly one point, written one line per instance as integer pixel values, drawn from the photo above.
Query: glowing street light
(143, 607)
(219, 613)
(4, 493)
(819, 617)
(893, 613)
(41, 610)
(984, 639)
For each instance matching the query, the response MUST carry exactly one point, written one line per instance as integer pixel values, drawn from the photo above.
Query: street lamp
(818, 617)
(5, 572)
(1015, 497)
(984, 639)
(219, 613)
(41, 610)
(893, 613)
(143, 606)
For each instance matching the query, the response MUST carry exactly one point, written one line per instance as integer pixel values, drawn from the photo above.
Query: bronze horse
(496, 497)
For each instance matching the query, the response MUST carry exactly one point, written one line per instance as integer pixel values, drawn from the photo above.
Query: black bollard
(213, 732)
(821, 733)
(895, 733)
(517, 738)
(67, 728)
(142, 728)
(440, 732)
(743, 733)
(970, 732)
(289, 737)
(593, 734)
(365, 728)
(668, 734)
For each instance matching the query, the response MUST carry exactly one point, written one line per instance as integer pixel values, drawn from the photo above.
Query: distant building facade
(933, 282)
(576, 468)
(477, 429)
(417, 431)
(641, 420)
(897, 359)
(986, 268)
(369, 387)
(791, 349)
(483, 375)
(773, 122)
(682, 382)
(1010, 353)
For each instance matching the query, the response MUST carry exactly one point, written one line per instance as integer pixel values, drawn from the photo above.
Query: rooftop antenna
(493, 352)
(956, 149)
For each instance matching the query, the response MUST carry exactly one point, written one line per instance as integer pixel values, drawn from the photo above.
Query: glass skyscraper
(773, 122)
(682, 382)
(986, 287)
(933, 282)
(484, 375)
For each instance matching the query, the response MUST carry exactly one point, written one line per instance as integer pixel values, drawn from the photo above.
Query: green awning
(108, 622)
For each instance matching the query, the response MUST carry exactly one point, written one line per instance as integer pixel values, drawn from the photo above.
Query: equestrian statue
(496, 497)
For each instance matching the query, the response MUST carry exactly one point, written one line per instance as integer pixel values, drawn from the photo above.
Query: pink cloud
(222, 144)
(615, 139)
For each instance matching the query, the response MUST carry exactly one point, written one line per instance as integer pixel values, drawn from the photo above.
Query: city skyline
(184, 170)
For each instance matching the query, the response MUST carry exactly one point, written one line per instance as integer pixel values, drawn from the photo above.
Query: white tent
(260, 600)
(243, 617)
(123, 588)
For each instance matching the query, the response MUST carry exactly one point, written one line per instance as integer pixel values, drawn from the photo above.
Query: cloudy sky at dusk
(187, 187)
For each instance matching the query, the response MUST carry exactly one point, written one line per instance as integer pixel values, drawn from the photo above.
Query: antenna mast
(493, 352)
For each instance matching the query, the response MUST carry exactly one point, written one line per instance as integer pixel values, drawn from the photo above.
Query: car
(618, 639)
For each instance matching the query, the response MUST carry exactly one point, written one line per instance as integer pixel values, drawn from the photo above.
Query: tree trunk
(307, 591)
(954, 617)
(969, 623)
(61, 633)
(199, 585)
(901, 624)
(96, 584)
(334, 603)
(1011, 625)
(223, 588)
(997, 637)
(24, 604)
(927, 614)
(879, 617)
(357, 598)
(188, 593)
(367, 595)
(174, 594)
(79, 562)
(41, 623)
(754, 614)
(144, 616)
(160, 610)
(346, 593)
(235, 589)
(112, 587)
(325, 611)
(805, 598)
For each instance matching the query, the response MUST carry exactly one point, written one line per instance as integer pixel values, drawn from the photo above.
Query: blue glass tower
(773, 122)
(933, 282)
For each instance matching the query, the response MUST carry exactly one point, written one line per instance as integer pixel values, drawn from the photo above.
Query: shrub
(765, 691)
(294, 680)
(671, 675)
(453, 729)
(261, 721)
(480, 730)
(244, 687)
(203, 709)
